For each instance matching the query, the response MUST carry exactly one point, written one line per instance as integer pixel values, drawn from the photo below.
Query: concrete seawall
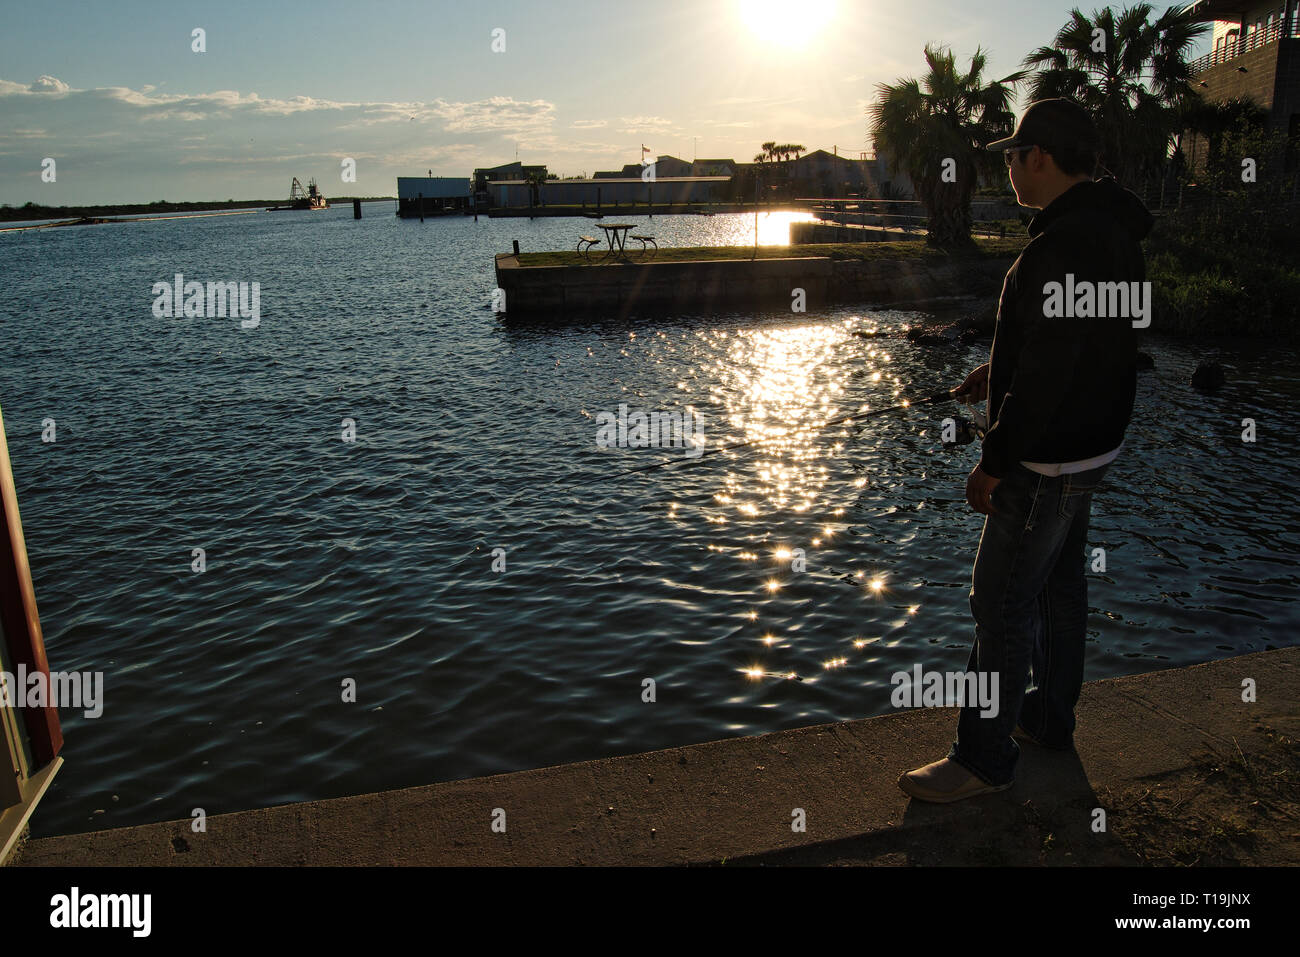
(718, 285)
(1176, 758)
(803, 234)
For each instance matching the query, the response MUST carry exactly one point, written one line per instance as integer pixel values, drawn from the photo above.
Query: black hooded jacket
(1061, 388)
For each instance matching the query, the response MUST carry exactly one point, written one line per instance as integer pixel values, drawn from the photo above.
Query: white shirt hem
(1053, 469)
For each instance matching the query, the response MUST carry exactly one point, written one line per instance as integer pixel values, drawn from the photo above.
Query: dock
(690, 282)
(1186, 771)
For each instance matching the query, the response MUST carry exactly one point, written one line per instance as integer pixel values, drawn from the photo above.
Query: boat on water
(299, 198)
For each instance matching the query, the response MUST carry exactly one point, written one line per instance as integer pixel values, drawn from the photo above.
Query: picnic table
(616, 235)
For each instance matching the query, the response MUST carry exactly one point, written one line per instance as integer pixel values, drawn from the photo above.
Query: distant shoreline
(32, 211)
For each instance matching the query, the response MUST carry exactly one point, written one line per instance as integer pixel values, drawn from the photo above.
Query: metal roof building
(432, 195)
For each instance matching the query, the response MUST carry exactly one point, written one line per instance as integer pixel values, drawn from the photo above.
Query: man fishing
(1060, 385)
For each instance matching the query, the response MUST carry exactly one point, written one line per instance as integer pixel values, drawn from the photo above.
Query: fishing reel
(964, 431)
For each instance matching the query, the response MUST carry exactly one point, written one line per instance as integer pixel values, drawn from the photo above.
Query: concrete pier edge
(733, 800)
(705, 286)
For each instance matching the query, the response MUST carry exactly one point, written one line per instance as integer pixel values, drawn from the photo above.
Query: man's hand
(976, 386)
(979, 491)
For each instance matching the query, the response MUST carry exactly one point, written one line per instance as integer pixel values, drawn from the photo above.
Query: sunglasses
(1008, 155)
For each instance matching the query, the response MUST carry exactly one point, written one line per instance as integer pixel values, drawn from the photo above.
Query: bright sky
(114, 93)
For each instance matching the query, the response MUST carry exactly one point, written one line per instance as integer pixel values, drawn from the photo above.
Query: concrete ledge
(850, 231)
(733, 799)
(713, 285)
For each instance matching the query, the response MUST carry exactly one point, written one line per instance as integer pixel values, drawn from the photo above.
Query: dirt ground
(1237, 811)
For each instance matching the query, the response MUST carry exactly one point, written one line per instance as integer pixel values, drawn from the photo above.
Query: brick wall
(1272, 79)
(1286, 93)
(1225, 81)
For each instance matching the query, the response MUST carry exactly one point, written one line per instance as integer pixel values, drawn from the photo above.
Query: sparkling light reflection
(790, 505)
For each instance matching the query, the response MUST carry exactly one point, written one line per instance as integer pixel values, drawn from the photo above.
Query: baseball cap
(1051, 124)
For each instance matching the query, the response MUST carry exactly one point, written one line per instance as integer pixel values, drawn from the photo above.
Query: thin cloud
(48, 84)
(493, 114)
(649, 123)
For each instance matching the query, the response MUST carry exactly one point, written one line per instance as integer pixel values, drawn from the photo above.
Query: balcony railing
(1236, 46)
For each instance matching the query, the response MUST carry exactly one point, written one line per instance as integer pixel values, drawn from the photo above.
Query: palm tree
(1130, 73)
(946, 115)
(781, 153)
(534, 181)
(792, 149)
(761, 161)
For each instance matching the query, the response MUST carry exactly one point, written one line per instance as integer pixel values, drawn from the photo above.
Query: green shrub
(1226, 270)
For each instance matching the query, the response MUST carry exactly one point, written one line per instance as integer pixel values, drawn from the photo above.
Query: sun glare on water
(784, 23)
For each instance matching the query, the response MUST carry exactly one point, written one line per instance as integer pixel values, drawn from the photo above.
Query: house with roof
(822, 174)
(1255, 54)
(507, 172)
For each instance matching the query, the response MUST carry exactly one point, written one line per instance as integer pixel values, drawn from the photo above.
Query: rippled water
(373, 560)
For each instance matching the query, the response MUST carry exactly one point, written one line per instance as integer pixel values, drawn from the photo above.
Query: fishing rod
(942, 396)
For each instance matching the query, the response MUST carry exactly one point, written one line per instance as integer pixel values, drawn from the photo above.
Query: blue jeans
(1029, 597)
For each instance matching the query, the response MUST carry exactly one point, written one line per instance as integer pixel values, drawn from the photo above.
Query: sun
(784, 22)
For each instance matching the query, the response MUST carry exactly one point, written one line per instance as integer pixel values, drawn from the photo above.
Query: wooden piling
(21, 624)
